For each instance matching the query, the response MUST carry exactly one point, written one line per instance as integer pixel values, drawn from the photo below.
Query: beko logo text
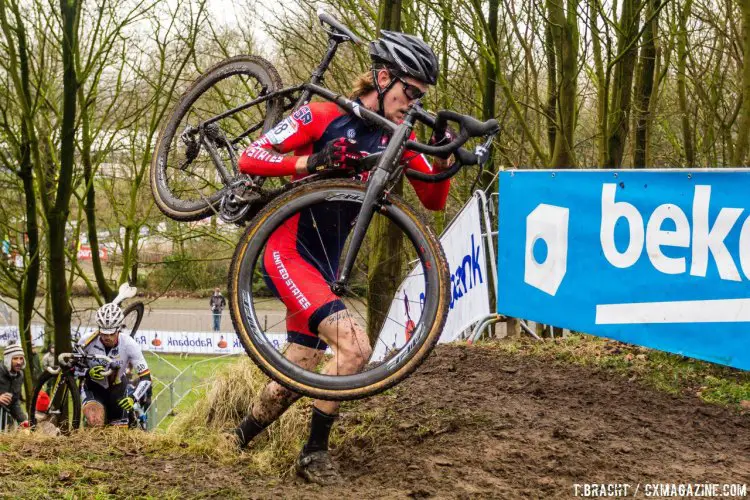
(702, 236)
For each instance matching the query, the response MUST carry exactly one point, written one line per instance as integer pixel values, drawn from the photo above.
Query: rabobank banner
(655, 258)
(463, 244)
(159, 341)
(197, 342)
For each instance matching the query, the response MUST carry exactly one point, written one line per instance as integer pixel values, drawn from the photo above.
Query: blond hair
(363, 84)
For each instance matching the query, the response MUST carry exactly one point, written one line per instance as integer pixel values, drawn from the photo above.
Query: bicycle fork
(59, 391)
(376, 184)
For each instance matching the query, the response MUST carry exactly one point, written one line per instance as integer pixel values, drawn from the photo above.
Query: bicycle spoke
(322, 245)
(381, 312)
(379, 339)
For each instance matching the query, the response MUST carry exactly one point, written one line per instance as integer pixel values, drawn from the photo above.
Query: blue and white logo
(656, 258)
(546, 260)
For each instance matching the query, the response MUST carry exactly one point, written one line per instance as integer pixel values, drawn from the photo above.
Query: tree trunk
(490, 83)
(90, 208)
(58, 216)
(550, 109)
(27, 291)
(438, 218)
(601, 85)
(18, 69)
(512, 328)
(644, 88)
(389, 15)
(687, 134)
(563, 27)
(622, 87)
(743, 132)
(383, 269)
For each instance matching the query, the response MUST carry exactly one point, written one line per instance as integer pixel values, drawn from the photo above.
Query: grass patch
(221, 404)
(85, 465)
(667, 372)
(226, 397)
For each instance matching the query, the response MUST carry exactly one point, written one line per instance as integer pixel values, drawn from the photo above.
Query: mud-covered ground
(472, 422)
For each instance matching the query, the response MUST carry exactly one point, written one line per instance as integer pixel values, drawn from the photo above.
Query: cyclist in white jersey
(105, 398)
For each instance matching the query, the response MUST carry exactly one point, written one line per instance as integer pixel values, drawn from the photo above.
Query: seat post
(317, 76)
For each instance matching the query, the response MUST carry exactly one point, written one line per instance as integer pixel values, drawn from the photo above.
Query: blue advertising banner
(654, 258)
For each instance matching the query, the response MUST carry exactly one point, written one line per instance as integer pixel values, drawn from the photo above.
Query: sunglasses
(411, 91)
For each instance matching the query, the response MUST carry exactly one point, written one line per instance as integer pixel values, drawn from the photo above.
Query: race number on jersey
(282, 131)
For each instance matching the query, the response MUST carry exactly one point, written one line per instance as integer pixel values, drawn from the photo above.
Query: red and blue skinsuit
(301, 257)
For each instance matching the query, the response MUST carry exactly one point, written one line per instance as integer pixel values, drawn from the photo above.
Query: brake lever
(482, 151)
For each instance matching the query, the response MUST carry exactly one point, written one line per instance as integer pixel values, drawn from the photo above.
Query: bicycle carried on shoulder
(194, 174)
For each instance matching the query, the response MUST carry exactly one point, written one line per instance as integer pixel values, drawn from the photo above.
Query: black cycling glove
(337, 153)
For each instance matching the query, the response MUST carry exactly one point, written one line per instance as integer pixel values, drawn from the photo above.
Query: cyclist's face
(16, 363)
(109, 340)
(400, 96)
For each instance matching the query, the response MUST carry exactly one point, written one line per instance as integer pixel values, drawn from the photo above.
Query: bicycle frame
(59, 391)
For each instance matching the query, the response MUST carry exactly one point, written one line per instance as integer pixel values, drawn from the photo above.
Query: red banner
(84, 252)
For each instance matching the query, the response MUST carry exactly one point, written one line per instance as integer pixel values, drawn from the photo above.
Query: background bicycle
(64, 399)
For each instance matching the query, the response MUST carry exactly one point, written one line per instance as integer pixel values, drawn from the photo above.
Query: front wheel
(64, 411)
(290, 256)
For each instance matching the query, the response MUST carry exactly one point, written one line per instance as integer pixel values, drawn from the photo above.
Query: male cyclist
(105, 398)
(322, 136)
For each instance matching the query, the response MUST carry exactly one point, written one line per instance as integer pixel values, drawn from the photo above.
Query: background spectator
(49, 361)
(36, 365)
(11, 381)
(217, 304)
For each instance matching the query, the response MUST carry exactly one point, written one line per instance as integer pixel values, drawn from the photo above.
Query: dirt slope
(472, 422)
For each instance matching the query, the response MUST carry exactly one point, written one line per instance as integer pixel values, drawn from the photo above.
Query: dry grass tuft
(226, 399)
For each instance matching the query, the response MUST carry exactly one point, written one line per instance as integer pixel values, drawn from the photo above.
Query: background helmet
(109, 318)
(407, 55)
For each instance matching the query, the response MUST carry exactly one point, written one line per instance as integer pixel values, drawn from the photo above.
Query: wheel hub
(338, 288)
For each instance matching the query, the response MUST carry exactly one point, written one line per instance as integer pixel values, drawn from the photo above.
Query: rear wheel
(403, 321)
(64, 411)
(186, 182)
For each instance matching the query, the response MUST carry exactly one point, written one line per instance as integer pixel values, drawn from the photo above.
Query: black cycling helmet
(407, 55)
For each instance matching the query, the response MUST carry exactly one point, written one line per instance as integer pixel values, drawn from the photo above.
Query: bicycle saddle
(340, 31)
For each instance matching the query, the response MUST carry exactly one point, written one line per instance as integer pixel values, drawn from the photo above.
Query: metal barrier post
(171, 394)
(4, 419)
(185, 384)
